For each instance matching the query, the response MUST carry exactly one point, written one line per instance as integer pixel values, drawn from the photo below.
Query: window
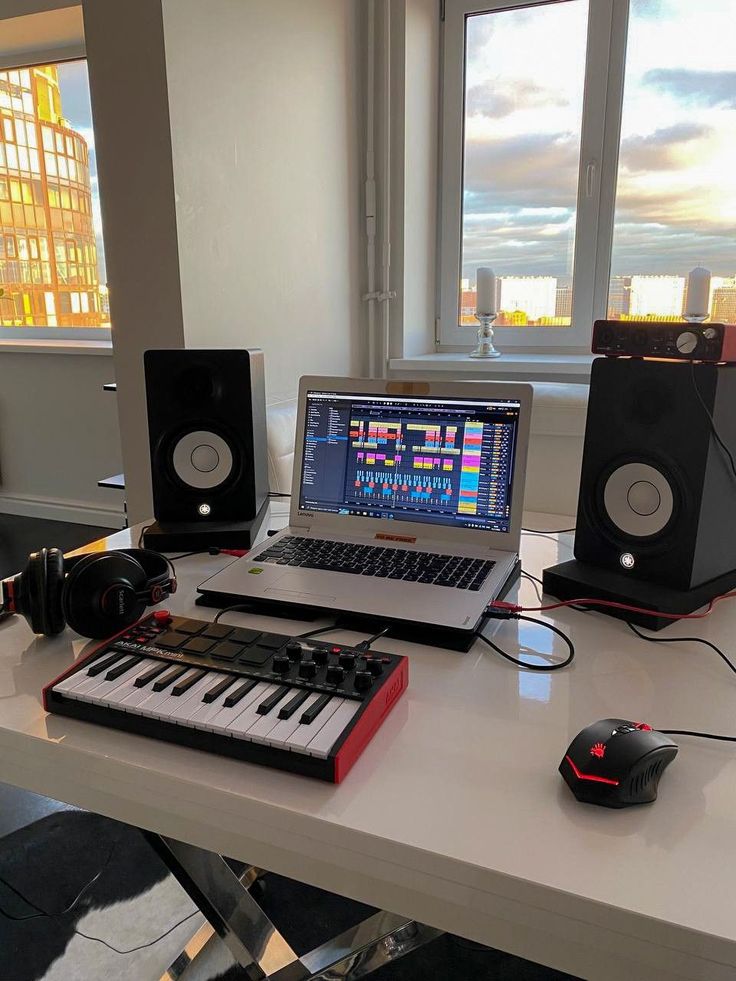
(588, 148)
(52, 190)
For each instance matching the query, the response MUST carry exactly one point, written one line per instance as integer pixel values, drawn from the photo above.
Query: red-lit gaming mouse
(617, 763)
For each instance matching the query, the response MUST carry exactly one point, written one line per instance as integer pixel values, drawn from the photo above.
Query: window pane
(676, 198)
(55, 114)
(523, 113)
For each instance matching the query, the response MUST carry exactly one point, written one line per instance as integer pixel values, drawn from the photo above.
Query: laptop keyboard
(382, 563)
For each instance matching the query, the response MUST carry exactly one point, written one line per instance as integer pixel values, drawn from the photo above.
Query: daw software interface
(435, 460)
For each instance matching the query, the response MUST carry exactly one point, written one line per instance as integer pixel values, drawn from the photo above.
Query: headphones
(98, 594)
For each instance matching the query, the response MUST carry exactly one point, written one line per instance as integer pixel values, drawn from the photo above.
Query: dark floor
(296, 908)
(20, 536)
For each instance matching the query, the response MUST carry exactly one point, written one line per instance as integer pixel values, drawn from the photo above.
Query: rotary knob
(347, 660)
(375, 667)
(710, 333)
(363, 680)
(281, 663)
(335, 674)
(307, 669)
(686, 342)
(319, 654)
(294, 650)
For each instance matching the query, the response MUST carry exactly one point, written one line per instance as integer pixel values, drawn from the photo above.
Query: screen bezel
(348, 524)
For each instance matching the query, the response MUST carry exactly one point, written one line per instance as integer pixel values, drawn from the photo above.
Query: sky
(74, 89)
(676, 196)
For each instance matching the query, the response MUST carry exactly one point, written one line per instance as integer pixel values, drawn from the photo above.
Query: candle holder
(484, 347)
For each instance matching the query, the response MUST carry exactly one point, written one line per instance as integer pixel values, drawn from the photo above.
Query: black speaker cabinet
(657, 493)
(207, 430)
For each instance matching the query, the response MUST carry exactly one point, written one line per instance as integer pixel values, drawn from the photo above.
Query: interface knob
(281, 663)
(294, 650)
(307, 669)
(375, 667)
(710, 333)
(347, 660)
(363, 680)
(335, 674)
(686, 342)
(319, 654)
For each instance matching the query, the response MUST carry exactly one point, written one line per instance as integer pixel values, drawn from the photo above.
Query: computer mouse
(616, 763)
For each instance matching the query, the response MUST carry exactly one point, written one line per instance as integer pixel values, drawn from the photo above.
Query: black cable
(239, 607)
(713, 429)
(546, 531)
(683, 640)
(144, 529)
(365, 645)
(534, 581)
(528, 575)
(524, 664)
(132, 950)
(321, 630)
(277, 494)
(700, 735)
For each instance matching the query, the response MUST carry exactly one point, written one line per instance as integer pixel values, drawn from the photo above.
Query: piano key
(122, 668)
(170, 677)
(279, 735)
(80, 682)
(223, 720)
(305, 732)
(222, 686)
(273, 699)
(193, 703)
(178, 709)
(206, 712)
(313, 711)
(249, 716)
(102, 664)
(261, 729)
(147, 676)
(293, 704)
(240, 692)
(99, 686)
(187, 681)
(323, 742)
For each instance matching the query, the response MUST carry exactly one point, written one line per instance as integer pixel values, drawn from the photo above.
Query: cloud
(695, 86)
(496, 98)
(663, 149)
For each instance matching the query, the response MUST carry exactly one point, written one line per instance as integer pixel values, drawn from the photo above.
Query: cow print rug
(134, 900)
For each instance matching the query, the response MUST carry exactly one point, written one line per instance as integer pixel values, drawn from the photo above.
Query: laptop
(406, 503)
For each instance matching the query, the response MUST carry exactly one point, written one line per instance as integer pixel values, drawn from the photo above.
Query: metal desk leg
(256, 944)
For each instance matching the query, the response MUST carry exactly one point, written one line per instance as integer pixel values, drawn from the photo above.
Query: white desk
(455, 814)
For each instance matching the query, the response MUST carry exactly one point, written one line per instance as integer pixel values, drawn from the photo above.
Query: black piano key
(314, 709)
(170, 677)
(106, 662)
(240, 692)
(293, 704)
(212, 693)
(186, 683)
(142, 680)
(273, 699)
(121, 668)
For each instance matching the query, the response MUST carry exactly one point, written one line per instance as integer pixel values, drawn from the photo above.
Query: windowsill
(512, 363)
(49, 346)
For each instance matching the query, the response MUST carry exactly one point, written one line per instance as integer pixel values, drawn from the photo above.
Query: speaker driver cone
(202, 459)
(638, 500)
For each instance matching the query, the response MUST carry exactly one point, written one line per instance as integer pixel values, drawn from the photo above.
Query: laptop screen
(437, 460)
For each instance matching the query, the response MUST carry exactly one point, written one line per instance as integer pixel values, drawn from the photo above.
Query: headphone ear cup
(99, 597)
(38, 591)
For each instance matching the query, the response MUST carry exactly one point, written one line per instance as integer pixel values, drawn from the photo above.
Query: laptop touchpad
(291, 586)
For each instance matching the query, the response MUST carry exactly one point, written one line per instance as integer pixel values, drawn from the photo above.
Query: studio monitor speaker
(207, 431)
(657, 491)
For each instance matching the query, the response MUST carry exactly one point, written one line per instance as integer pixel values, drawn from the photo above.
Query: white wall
(58, 437)
(265, 134)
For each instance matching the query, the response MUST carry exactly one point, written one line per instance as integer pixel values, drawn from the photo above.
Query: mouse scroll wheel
(643, 726)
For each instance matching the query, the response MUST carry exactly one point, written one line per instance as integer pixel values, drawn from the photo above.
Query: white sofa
(555, 447)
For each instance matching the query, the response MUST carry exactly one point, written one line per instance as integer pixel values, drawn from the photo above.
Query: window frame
(597, 176)
(51, 53)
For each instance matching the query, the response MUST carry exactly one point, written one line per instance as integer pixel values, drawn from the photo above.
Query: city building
(563, 304)
(656, 296)
(723, 307)
(526, 299)
(619, 297)
(48, 253)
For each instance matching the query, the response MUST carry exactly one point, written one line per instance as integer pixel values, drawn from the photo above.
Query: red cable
(501, 605)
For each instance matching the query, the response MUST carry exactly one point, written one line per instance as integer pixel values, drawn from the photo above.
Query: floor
(136, 896)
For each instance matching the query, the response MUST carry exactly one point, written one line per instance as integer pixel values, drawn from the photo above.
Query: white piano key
(223, 720)
(322, 743)
(241, 725)
(178, 708)
(102, 693)
(280, 733)
(265, 724)
(81, 683)
(194, 704)
(304, 733)
(115, 696)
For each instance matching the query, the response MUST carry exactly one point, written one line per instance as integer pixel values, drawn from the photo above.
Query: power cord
(711, 420)
(525, 664)
(683, 640)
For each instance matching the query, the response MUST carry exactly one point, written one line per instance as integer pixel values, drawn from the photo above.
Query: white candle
(698, 293)
(486, 290)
